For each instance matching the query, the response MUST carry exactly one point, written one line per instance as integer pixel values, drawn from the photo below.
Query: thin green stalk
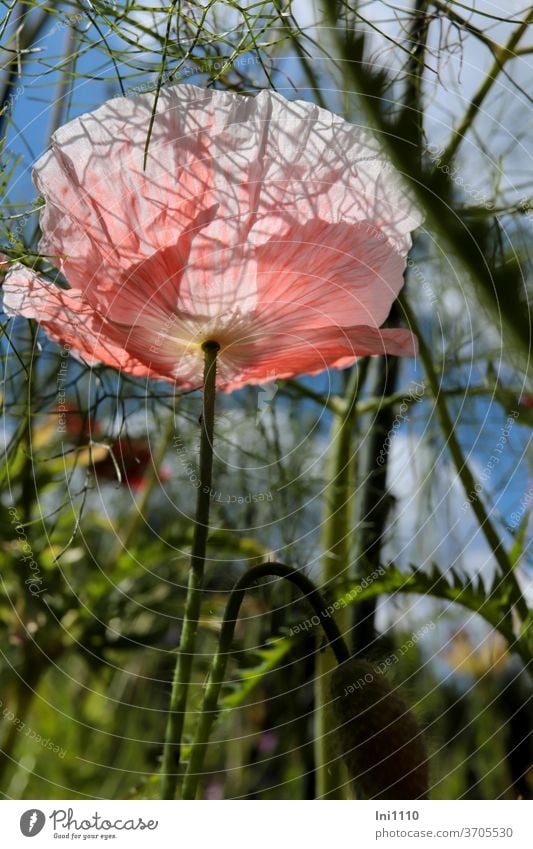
(502, 55)
(369, 405)
(412, 100)
(499, 286)
(30, 606)
(210, 708)
(64, 85)
(339, 492)
(335, 544)
(329, 402)
(465, 475)
(375, 501)
(25, 692)
(182, 675)
(462, 22)
(23, 37)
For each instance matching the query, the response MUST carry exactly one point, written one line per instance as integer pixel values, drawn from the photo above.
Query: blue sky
(479, 428)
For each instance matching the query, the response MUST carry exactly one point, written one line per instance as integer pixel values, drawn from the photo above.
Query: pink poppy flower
(272, 227)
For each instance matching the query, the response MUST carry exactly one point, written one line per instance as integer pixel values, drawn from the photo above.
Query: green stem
(375, 502)
(339, 492)
(414, 71)
(499, 286)
(502, 55)
(25, 691)
(335, 543)
(369, 405)
(218, 670)
(22, 38)
(329, 402)
(465, 475)
(182, 674)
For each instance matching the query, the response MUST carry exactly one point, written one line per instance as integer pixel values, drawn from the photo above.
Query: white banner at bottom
(236, 824)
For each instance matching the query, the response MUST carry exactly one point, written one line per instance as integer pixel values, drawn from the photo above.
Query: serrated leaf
(517, 548)
(276, 649)
(493, 607)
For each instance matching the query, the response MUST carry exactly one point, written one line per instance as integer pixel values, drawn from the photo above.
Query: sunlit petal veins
(272, 227)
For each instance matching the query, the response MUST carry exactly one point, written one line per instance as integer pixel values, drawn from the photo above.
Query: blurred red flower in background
(125, 460)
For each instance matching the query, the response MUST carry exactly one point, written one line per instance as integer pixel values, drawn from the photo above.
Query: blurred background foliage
(103, 491)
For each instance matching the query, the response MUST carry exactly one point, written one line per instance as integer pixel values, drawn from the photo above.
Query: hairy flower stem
(375, 502)
(216, 678)
(182, 674)
(336, 532)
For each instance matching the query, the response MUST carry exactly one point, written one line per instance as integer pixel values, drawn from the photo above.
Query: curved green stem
(182, 674)
(210, 705)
